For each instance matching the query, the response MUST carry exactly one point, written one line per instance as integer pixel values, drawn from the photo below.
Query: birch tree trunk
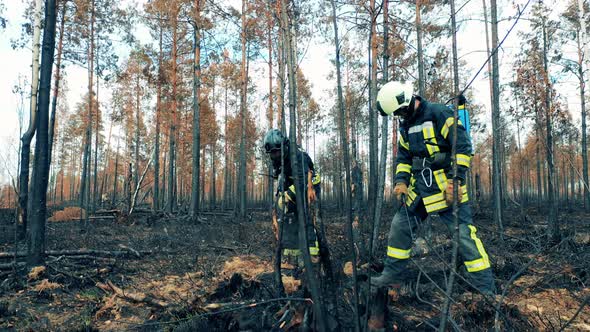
(28, 135)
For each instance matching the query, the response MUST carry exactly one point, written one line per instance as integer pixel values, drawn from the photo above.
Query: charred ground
(167, 272)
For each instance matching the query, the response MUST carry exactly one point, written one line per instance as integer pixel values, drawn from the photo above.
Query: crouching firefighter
(276, 145)
(424, 181)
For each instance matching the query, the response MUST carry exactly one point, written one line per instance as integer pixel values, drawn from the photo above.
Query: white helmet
(393, 96)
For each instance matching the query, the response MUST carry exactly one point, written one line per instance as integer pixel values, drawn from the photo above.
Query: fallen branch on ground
(10, 266)
(104, 259)
(576, 314)
(135, 252)
(113, 211)
(133, 297)
(127, 251)
(94, 218)
(212, 313)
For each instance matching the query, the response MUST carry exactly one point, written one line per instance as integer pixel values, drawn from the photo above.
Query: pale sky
(316, 66)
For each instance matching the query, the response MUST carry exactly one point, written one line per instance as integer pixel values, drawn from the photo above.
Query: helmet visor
(402, 112)
(268, 147)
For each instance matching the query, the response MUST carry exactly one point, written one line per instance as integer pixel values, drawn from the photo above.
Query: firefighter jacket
(305, 163)
(424, 156)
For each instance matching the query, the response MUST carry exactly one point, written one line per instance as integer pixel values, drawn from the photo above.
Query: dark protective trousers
(290, 237)
(471, 249)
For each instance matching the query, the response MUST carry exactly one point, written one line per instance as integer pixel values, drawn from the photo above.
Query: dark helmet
(273, 140)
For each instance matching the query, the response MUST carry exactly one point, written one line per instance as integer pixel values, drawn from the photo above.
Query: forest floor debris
(196, 269)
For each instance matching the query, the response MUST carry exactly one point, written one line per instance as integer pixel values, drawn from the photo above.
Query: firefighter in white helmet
(424, 185)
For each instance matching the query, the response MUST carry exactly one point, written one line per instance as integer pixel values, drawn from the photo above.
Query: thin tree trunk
(538, 157)
(57, 79)
(115, 177)
(421, 77)
(281, 80)
(195, 200)
(243, 100)
(270, 115)
(61, 189)
(172, 148)
(106, 165)
(554, 233)
(213, 182)
(373, 121)
(572, 173)
(451, 280)
(88, 139)
(137, 124)
(384, 132)
(164, 183)
(96, 137)
(582, 35)
(496, 177)
(36, 239)
(289, 38)
(156, 200)
(344, 149)
(226, 178)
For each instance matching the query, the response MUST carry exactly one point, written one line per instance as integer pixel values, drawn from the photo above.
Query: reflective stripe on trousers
(471, 248)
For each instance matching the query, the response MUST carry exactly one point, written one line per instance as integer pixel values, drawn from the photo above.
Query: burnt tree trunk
(57, 80)
(36, 239)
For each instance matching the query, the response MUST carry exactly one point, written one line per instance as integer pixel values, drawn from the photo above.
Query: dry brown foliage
(110, 305)
(247, 266)
(45, 285)
(291, 284)
(36, 272)
(68, 214)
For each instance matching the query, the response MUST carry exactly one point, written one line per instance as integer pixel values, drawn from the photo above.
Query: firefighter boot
(388, 278)
(483, 281)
